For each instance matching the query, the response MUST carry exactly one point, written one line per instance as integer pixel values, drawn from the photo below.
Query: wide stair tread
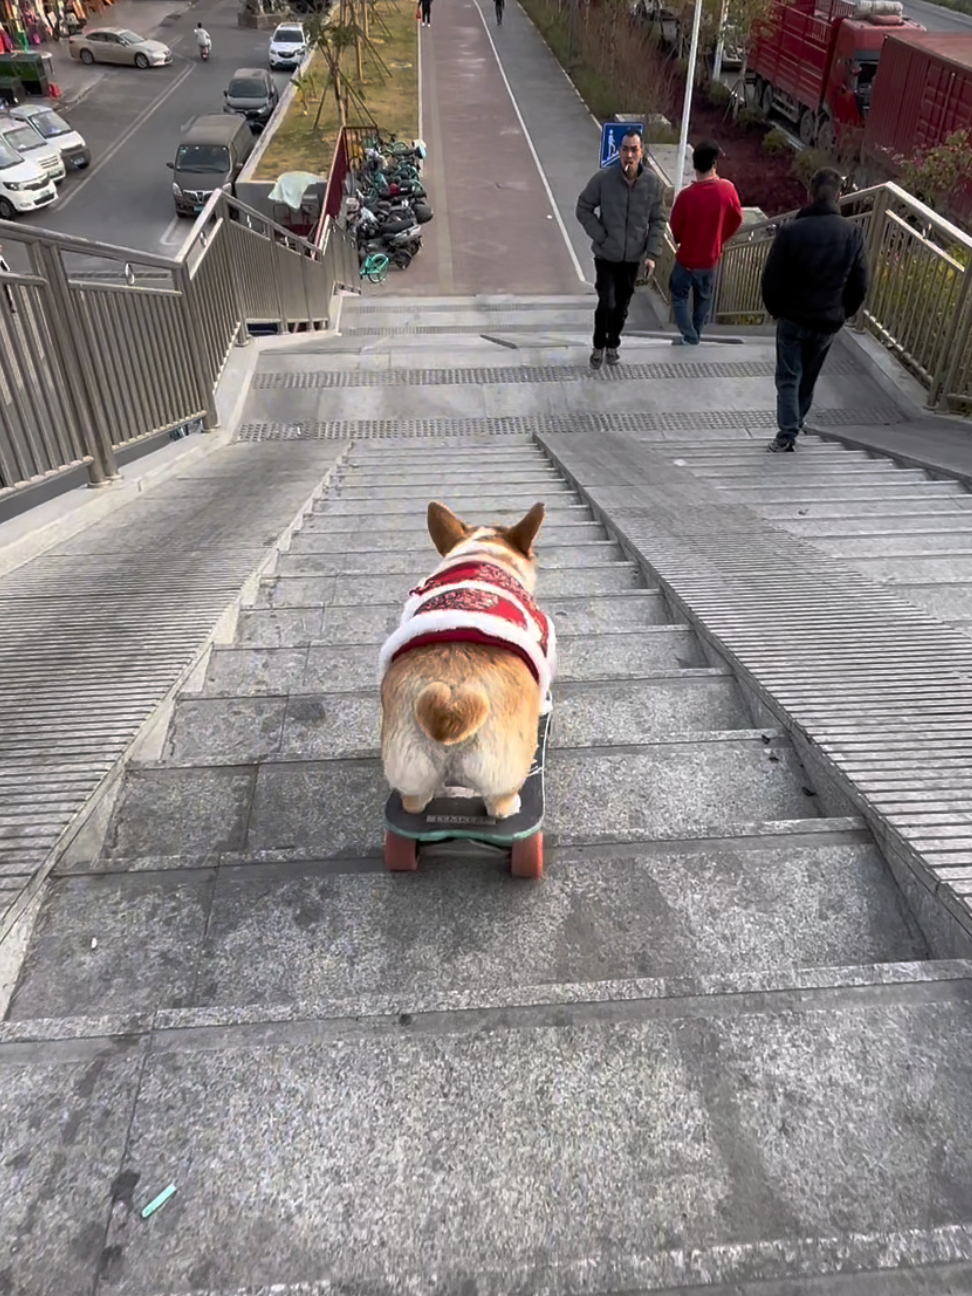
(700, 1045)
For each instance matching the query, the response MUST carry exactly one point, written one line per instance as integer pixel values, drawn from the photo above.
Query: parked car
(23, 139)
(211, 155)
(118, 45)
(24, 186)
(52, 127)
(253, 94)
(288, 45)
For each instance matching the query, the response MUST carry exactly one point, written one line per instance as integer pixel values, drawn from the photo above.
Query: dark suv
(252, 94)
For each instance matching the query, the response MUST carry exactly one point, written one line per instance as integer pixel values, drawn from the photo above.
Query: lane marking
(526, 135)
(125, 136)
(174, 227)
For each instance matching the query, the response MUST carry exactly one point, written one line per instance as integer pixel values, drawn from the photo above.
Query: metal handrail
(919, 303)
(91, 362)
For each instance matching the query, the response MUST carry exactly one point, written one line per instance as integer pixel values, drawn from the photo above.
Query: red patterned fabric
(479, 602)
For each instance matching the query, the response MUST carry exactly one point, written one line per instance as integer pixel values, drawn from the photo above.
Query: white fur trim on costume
(490, 626)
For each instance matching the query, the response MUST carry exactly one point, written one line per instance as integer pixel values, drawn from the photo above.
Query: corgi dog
(466, 676)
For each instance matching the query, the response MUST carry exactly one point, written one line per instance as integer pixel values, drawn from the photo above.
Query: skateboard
(447, 817)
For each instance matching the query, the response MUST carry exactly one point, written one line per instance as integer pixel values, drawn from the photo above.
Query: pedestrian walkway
(723, 1046)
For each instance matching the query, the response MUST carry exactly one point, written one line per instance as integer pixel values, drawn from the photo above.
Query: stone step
(794, 488)
(904, 568)
(893, 528)
(701, 787)
(639, 1135)
(554, 492)
(412, 562)
(946, 506)
(319, 726)
(252, 671)
(825, 471)
(351, 591)
(816, 895)
(479, 506)
(430, 479)
(398, 515)
(583, 615)
(321, 534)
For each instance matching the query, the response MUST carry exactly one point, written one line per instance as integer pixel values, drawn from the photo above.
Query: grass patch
(615, 68)
(391, 98)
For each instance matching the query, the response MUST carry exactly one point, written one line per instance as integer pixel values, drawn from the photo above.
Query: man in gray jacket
(621, 209)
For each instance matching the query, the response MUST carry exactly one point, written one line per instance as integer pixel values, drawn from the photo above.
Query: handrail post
(204, 387)
(873, 246)
(71, 341)
(955, 345)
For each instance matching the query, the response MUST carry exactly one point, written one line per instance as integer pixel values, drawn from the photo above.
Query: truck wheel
(766, 100)
(825, 136)
(808, 128)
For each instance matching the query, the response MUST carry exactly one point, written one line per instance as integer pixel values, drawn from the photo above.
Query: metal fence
(101, 346)
(918, 304)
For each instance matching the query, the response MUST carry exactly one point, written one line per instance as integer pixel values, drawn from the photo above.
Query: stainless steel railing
(919, 304)
(102, 346)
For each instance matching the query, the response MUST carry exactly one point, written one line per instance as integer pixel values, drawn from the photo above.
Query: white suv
(32, 147)
(288, 46)
(24, 186)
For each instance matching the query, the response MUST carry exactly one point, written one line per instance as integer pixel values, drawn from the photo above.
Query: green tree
(941, 176)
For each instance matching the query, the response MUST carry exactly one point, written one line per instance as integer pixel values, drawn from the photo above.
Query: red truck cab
(815, 63)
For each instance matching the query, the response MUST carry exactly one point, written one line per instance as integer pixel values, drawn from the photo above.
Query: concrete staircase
(710, 1050)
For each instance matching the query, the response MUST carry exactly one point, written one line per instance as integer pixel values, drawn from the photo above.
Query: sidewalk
(147, 17)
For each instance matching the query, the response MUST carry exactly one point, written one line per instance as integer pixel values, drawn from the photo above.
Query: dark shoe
(780, 445)
(597, 357)
(612, 356)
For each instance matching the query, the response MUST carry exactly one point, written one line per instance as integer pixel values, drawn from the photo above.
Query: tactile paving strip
(520, 374)
(646, 423)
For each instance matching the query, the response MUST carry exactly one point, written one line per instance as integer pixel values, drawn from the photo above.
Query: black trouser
(427, 12)
(615, 284)
(499, 12)
(800, 353)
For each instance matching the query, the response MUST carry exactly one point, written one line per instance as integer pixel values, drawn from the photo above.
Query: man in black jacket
(815, 279)
(621, 209)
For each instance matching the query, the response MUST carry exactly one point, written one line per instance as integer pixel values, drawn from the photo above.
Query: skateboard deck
(448, 817)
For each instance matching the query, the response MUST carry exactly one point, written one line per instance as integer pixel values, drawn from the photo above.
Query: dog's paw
(511, 809)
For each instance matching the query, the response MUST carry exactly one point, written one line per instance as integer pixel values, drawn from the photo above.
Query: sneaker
(612, 356)
(777, 446)
(597, 357)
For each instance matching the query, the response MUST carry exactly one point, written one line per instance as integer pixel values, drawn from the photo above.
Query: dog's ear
(445, 528)
(523, 533)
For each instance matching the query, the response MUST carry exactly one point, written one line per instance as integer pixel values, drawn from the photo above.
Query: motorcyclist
(203, 38)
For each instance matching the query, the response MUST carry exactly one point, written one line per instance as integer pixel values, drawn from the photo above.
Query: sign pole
(687, 104)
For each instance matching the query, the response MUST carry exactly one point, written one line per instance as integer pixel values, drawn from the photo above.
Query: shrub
(718, 94)
(751, 119)
(807, 163)
(776, 141)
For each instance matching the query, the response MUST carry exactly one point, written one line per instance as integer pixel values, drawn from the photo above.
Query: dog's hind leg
(414, 770)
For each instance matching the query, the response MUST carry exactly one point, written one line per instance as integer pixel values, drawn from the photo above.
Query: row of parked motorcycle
(388, 205)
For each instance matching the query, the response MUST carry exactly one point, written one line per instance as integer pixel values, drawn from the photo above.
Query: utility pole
(687, 104)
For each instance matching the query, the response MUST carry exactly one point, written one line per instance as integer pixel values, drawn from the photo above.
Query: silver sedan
(118, 45)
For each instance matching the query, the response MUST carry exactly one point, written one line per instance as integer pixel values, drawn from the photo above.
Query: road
(936, 18)
(125, 197)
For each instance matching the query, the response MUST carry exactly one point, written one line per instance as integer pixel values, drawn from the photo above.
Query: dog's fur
(465, 713)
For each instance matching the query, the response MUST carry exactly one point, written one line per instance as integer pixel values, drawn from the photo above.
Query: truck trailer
(922, 94)
(814, 61)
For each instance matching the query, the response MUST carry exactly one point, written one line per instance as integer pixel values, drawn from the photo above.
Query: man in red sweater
(704, 217)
